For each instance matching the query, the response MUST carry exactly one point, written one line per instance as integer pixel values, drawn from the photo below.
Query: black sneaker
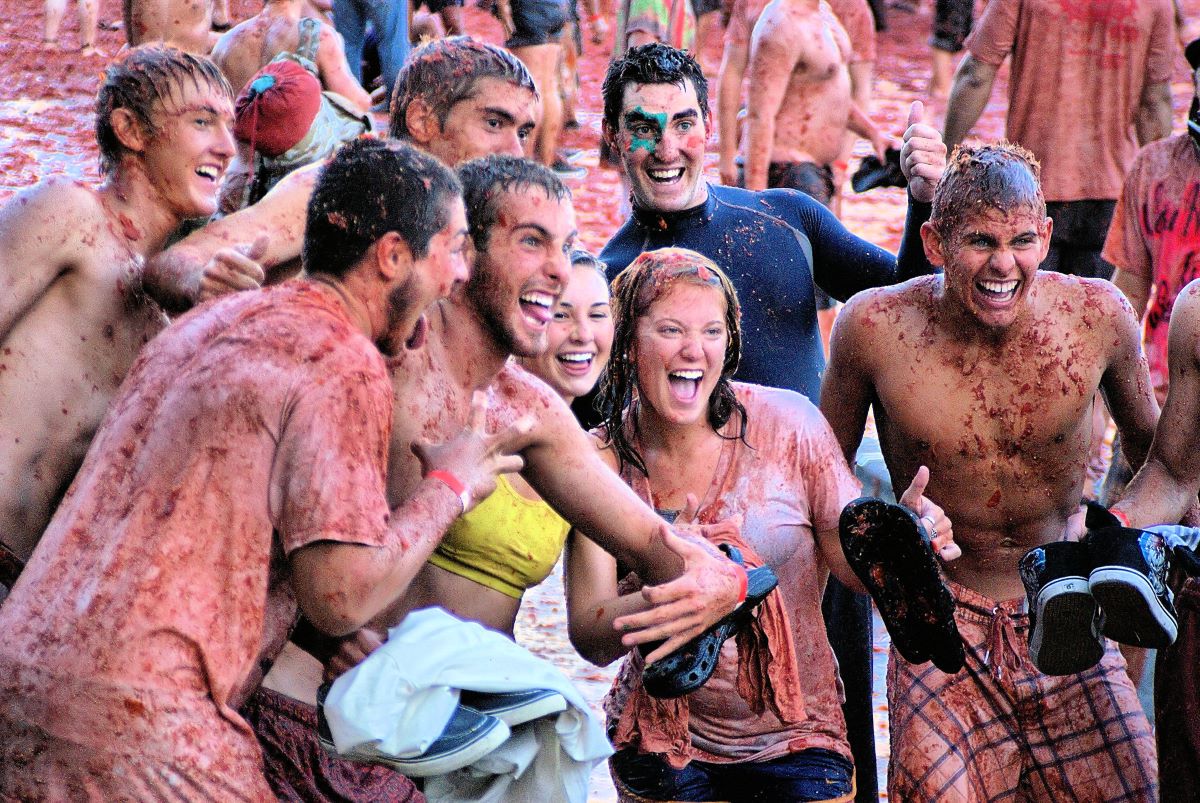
(515, 707)
(890, 551)
(468, 737)
(1064, 621)
(1129, 582)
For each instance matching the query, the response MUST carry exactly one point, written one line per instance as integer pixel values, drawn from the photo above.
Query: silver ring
(930, 526)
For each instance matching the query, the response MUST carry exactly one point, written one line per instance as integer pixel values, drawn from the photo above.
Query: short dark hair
(444, 72)
(654, 63)
(368, 188)
(485, 180)
(1001, 176)
(144, 76)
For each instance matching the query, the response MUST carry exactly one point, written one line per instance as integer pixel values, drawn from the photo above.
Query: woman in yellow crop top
(511, 540)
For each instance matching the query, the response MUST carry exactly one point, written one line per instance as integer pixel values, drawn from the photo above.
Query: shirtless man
(522, 229)
(239, 476)
(456, 98)
(185, 24)
(987, 375)
(72, 311)
(795, 125)
(283, 27)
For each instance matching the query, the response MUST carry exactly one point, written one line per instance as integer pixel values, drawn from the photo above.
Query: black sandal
(690, 667)
(890, 551)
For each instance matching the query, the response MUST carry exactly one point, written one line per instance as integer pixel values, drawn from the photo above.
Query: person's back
(185, 24)
(74, 314)
(282, 28)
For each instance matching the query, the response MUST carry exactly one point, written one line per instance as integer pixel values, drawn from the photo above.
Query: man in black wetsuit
(773, 245)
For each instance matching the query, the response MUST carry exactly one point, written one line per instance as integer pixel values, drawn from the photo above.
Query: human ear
(421, 121)
(393, 256)
(128, 130)
(934, 245)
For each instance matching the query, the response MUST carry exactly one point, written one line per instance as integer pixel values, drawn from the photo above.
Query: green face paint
(641, 118)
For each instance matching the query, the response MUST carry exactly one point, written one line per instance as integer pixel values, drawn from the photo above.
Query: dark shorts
(300, 770)
(536, 22)
(1177, 700)
(952, 21)
(435, 6)
(1078, 238)
(814, 774)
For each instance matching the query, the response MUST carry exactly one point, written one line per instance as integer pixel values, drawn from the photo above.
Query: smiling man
(72, 312)
(987, 375)
(455, 98)
(239, 476)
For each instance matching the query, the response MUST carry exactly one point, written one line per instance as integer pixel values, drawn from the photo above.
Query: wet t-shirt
(786, 481)
(1078, 68)
(250, 428)
(1155, 235)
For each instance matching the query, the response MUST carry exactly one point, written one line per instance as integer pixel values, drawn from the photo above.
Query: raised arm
(969, 94)
(729, 94)
(236, 252)
(1166, 485)
(773, 56)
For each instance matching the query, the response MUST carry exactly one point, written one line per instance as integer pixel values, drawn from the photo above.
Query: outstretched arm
(969, 94)
(221, 257)
(1166, 485)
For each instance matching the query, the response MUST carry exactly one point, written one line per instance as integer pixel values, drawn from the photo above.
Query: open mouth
(576, 363)
(419, 334)
(685, 385)
(536, 307)
(209, 172)
(665, 175)
(998, 292)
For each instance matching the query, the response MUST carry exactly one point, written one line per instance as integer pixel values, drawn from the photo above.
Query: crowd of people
(321, 350)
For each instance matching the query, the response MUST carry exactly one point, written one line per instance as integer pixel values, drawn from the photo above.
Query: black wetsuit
(762, 241)
(758, 238)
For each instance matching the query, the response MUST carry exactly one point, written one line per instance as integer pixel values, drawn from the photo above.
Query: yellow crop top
(507, 542)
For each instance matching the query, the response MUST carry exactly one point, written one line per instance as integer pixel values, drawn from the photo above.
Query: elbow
(335, 613)
(591, 649)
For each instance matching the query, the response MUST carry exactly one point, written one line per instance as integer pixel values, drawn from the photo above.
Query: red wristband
(743, 585)
(454, 484)
(1121, 517)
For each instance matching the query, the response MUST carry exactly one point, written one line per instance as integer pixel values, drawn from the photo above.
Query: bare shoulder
(30, 214)
(884, 308)
(55, 192)
(516, 392)
(1185, 315)
(1078, 298)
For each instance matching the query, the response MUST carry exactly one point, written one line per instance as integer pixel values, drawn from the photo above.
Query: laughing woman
(678, 430)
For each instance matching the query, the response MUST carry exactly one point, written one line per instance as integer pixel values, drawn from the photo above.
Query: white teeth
(999, 287)
(664, 175)
(540, 299)
(208, 171)
(580, 357)
(691, 375)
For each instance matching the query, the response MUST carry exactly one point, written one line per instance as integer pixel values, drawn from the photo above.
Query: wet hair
(654, 63)
(371, 187)
(635, 289)
(1003, 176)
(582, 258)
(486, 180)
(444, 72)
(143, 77)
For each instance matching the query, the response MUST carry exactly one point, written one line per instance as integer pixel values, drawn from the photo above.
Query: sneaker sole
(1066, 608)
(1133, 613)
(425, 766)
(520, 713)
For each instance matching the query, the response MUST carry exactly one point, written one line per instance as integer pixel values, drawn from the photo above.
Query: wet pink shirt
(1078, 68)
(791, 481)
(250, 428)
(1155, 235)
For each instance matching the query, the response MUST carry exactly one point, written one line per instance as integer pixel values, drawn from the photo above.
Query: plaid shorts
(999, 730)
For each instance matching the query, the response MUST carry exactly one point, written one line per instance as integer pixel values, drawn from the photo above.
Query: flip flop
(873, 173)
(890, 551)
(690, 667)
